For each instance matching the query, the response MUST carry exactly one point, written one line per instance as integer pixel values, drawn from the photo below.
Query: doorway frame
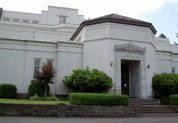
(131, 81)
(131, 52)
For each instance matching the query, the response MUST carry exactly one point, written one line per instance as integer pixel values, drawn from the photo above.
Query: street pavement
(145, 118)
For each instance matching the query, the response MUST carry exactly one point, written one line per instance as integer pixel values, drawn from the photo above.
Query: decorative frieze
(129, 47)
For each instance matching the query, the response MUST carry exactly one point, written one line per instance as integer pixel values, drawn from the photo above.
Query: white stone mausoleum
(124, 48)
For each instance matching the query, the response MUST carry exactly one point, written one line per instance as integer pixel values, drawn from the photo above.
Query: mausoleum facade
(124, 48)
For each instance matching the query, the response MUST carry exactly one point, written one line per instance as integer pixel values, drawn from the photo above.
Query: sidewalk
(146, 118)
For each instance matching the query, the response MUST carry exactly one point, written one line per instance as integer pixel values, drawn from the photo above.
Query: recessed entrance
(130, 74)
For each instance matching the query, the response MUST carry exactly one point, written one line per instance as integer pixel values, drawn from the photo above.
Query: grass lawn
(23, 101)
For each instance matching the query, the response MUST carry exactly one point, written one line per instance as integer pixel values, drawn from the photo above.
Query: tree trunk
(46, 89)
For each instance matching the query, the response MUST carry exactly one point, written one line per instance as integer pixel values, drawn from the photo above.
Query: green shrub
(42, 98)
(36, 97)
(98, 99)
(173, 99)
(164, 100)
(165, 84)
(51, 98)
(62, 98)
(7, 91)
(38, 88)
(86, 80)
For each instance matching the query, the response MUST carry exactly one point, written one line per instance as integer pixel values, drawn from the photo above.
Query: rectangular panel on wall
(96, 33)
(129, 34)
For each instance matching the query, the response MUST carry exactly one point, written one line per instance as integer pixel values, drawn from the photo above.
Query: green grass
(23, 101)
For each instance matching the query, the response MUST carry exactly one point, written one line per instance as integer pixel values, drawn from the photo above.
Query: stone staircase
(157, 109)
(144, 101)
(152, 106)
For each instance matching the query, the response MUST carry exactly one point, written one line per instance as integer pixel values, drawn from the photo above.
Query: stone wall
(28, 110)
(63, 110)
(98, 111)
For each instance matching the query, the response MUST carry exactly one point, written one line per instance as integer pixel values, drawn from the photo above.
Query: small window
(6, 19)
(25, 21)
(173, 70)
(36, 65)
(62, 19)
(16, 20)
(35, 22)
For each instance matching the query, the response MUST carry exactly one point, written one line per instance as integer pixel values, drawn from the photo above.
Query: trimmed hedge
(98, 99)
(173, 99)
(7, 91)
(37, 88)
(165, 84)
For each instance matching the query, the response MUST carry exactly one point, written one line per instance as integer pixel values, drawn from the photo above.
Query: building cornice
(113, 18)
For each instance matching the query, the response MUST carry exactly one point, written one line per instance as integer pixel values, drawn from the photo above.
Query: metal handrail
(155, 92)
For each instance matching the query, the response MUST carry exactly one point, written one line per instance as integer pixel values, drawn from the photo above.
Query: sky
(163, 14)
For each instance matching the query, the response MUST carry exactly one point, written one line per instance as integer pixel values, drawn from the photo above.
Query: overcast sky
(162, 13)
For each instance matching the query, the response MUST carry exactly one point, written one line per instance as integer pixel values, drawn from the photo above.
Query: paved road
(146, 118)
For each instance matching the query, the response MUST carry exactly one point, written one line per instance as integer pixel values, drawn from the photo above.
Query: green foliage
(173, 99)
(7, 91)
(62, 99)
(165, 84)
(164, 100)
(162, 35)
(25, 101)
(98, 99)
(86, 80)
(51, 98)
(38, 88)
(35, 97)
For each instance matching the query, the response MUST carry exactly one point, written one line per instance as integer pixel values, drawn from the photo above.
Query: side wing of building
(166, 56)
(28, 40)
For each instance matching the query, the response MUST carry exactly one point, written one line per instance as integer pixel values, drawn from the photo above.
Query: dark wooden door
(125, 79)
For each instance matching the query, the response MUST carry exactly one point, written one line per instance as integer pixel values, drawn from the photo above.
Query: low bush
(7, 91)
(35, 97)
(51, 99)
(164, 100)
(173, 99)
(63, 99)
(86, 80)
(38, 88)
(165, 84)
(98, 99)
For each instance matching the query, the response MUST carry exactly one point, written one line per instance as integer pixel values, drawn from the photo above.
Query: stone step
(152, 106)
(144, 100)
(136, 99)
(146, 103)
(157, 109)
(156, 106)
